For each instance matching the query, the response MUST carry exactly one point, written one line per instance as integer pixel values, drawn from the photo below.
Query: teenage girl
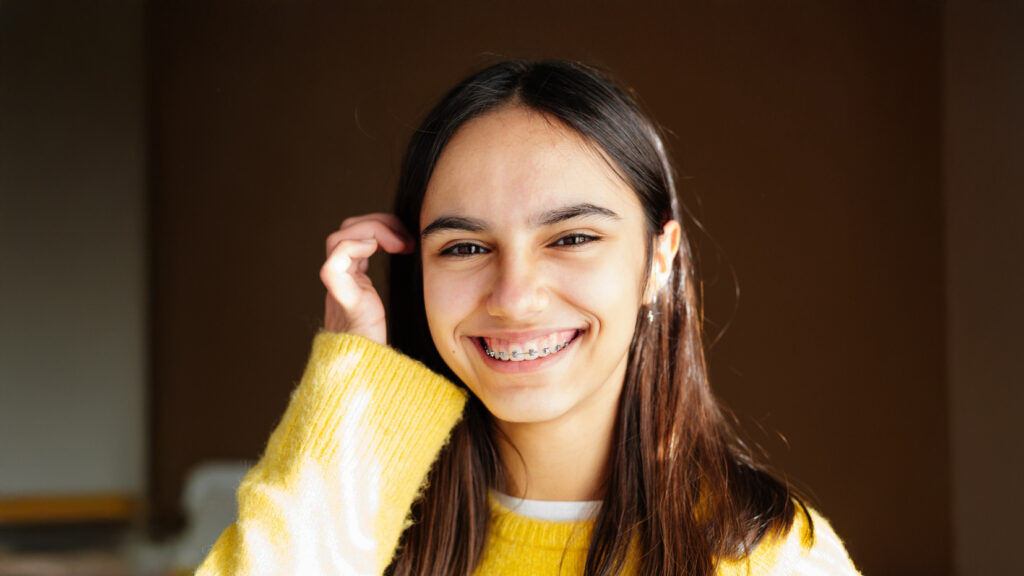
(536, 401)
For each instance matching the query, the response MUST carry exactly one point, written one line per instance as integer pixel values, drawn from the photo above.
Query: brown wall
(809, 133)
(984, 181)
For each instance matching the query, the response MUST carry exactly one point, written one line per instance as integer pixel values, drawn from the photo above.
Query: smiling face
(533, 254)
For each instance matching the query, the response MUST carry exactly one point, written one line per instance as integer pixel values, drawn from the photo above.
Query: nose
(518, 291)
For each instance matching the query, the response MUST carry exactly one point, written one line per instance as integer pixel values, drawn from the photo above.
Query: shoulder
(809, 547)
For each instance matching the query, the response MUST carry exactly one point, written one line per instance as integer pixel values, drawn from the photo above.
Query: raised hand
(352, 304)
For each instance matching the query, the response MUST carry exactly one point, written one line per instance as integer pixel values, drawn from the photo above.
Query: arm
(340, 473)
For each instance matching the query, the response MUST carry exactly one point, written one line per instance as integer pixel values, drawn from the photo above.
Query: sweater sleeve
(332, 492)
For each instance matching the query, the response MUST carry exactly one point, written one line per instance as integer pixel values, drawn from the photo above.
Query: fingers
(344, 273)
(352, 304)
(352, 249)
(348, 257)
(385, 229)
(341, 283)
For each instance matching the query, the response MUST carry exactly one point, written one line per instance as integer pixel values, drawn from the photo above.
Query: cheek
(607, 287)
(447, 301)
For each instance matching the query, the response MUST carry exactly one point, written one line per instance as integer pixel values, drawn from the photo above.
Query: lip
(526, 334)
(525, 366)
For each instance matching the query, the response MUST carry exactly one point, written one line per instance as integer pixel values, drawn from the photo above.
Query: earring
(650, 310)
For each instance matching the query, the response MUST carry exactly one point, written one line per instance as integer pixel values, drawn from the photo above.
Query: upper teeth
(531, 354)
(518, 353)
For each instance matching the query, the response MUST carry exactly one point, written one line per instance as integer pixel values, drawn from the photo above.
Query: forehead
(511, 164)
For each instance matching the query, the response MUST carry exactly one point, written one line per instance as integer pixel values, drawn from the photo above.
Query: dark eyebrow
(454, 223)
(576, 211)
(555, 216)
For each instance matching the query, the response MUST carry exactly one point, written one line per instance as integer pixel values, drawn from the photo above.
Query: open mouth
(506, 351)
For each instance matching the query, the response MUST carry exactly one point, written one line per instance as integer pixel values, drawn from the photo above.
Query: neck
(561, 460)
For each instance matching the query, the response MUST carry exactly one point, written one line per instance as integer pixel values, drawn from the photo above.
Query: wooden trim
(66, 508)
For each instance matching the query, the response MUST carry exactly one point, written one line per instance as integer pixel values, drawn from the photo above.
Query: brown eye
(574, 240)
(464, 249)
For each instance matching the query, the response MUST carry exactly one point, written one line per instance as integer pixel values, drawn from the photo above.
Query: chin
(525, 406)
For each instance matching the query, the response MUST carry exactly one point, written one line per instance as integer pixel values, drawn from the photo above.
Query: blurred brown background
(857, 167)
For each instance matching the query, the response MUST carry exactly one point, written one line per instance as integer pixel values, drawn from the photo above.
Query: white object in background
(210, 507)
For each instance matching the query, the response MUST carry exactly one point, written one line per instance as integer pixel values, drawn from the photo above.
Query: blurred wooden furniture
(61, 508)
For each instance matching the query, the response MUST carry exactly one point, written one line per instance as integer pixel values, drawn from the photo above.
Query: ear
(665, 247)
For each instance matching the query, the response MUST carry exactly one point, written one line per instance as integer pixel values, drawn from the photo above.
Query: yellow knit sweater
(332, 493)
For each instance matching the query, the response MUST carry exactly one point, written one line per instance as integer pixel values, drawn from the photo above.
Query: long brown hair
(682, 487)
